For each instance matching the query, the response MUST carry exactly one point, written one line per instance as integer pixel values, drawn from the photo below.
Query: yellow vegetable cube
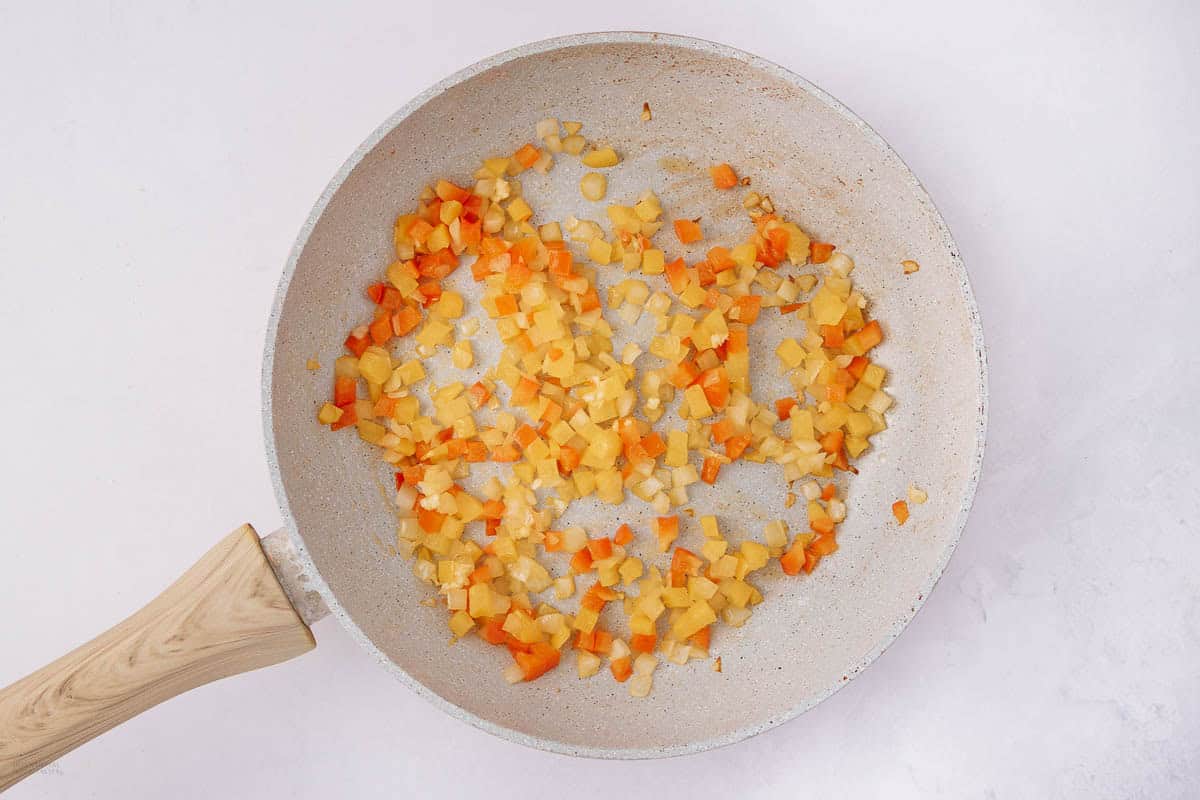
(693, 295)
(755, 555)
(609, 487)
(827, 307)
(677, 448)
(461, 355)
(790, 353)
(699, 615)
(802, 425)
(461, 623)
(439, 239)
(744, 255)
(697, 402)
(600, 158)
(449, 305)
(329, 414)
(653, 262)
(631, 569)
(599, 251)
(713, 549)
(737, 592)
(519, 210)
(434, 333)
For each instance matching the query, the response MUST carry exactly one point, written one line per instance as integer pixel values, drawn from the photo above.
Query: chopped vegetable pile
(569, 417)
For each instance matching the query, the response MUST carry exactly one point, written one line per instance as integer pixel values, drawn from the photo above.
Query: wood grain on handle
(225, 615)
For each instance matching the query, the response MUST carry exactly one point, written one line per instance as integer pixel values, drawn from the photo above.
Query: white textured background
(156, 161)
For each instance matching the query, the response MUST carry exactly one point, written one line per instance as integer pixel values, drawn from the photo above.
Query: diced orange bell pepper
(820, 252)
(900, 511)
(822, 525)
(833, 335)
(345, 390)
(709, 470)
(600, 548)
(568, 459)
(525, 435)
(643, 642)
(582, 561)
(792, 561)
(527, 156)
(561, 263)
(748, 307)
(348, 418)
(677, 275)
(526, 392)
(357, 344)
(621, 668)
(624, 535)
(688, 231)
(492, 631)
(723, 176)
(832, 441)
(715, 383)
(429, 520)
(476, 451)
(553, 541)
(506, 454)
(683, 563)
(406, 320)
(540, 659)
(445, 190)
(824, 545)
(384, 406)
(722, 430)
(667, 530)
(381, 329)
(479, 394)
(736, 446)
(506, 305)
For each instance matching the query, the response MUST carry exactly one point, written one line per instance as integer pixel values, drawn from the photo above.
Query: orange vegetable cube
(526, 392)
(736, 446)
(723, 176)
(667, 531)
(600, 548)
(445, 190)
(540, 659)
(820, 252)
(527, 155)
(900, 511)
(643, 642)
(677, 275)
(582, 561)
(406, 320)
(345, 389)
(688, 231)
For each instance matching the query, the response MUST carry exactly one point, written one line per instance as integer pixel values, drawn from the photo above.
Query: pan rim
(562, 43)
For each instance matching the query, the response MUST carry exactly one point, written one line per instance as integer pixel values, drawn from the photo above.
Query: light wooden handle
(225, 615)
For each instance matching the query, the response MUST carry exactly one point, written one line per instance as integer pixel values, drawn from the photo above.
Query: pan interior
(822, 168)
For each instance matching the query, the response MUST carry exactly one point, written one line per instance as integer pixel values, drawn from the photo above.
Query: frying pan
(247, 604)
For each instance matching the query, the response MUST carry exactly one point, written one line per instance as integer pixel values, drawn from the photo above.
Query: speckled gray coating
(823, 167)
